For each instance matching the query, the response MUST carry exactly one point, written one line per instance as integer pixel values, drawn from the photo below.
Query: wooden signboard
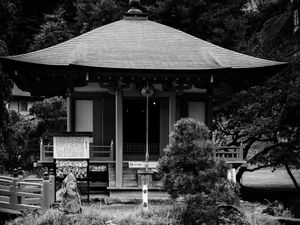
(142, 164)
(79, 168)
(71, 147)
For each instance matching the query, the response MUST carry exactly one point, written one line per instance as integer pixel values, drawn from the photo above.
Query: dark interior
(134, 127)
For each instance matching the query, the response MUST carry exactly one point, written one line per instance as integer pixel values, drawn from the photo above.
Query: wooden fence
(18, 194)
(229, 153)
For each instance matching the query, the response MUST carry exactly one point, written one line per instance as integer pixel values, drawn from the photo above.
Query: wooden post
(20, 199)
(145, 177)
(41, 149)
(119, 138)
(209, 105)
(241, 152)
(45, 201)
(70, 112)
(20, 174)
(229, 177)
(233, 175)
(172, 112)
(13, 200)
(147, 130)
(52, 194)
(145, 197)
(112, 150)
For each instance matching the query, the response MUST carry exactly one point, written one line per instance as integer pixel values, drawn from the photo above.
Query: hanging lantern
(147, 90)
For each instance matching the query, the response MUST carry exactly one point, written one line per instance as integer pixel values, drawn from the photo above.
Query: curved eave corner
(274, 68)
(6, 60)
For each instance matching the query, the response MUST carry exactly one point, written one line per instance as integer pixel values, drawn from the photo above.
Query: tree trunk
(239, 175)
(292, 176)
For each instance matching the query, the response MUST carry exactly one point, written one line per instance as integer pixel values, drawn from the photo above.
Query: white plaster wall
(84, 116)
(13, 105)
(197, 111)
(16, 106)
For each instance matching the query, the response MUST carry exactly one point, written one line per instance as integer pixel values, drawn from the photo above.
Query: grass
(266, 179)
(160, 214)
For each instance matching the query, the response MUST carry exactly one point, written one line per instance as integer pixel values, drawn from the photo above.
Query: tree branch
(291, 176)
(266, 150)
(259, 167)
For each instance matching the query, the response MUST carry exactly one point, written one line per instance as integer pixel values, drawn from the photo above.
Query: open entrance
(134, 133)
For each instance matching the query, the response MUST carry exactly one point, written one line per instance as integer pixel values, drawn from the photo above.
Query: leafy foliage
(191, 172)
(92, 14)
(16, 137)
(5, 92)
(7, 20)
(51, 113)
(221, 22)
(53, 31)
(266, 118)
(21, 136)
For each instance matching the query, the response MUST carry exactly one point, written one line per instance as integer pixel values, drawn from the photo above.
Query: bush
(190, 171)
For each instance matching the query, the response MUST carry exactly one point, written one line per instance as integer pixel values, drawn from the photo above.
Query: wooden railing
(46, 151)
(18, 194)
(140, 148)
(106, 152)
(229, 153)
(102, 152)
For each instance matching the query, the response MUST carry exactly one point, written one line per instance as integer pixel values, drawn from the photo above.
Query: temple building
(22, 101)
(116, 75)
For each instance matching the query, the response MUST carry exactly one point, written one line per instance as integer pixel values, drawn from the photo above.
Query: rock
(270, 211)
(230, 215)
(70, 198)
(60, 194)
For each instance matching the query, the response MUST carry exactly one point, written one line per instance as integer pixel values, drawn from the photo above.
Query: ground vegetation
(190, 172)
(163, 214)
(21, 136)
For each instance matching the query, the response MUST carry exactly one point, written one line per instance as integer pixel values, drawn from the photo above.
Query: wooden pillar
(209, 112)
(164, 125)
(209, 104)
(172, 111)
(119, 138)
(70, 112)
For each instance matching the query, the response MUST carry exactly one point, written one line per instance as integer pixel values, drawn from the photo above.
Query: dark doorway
(134, 133)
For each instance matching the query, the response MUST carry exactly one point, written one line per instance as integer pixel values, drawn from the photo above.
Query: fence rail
(106, 152)
(229, 153)
(102, 152)
(140, 148)
(17, 194)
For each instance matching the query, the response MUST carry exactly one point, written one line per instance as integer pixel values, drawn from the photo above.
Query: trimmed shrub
(189, 171)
